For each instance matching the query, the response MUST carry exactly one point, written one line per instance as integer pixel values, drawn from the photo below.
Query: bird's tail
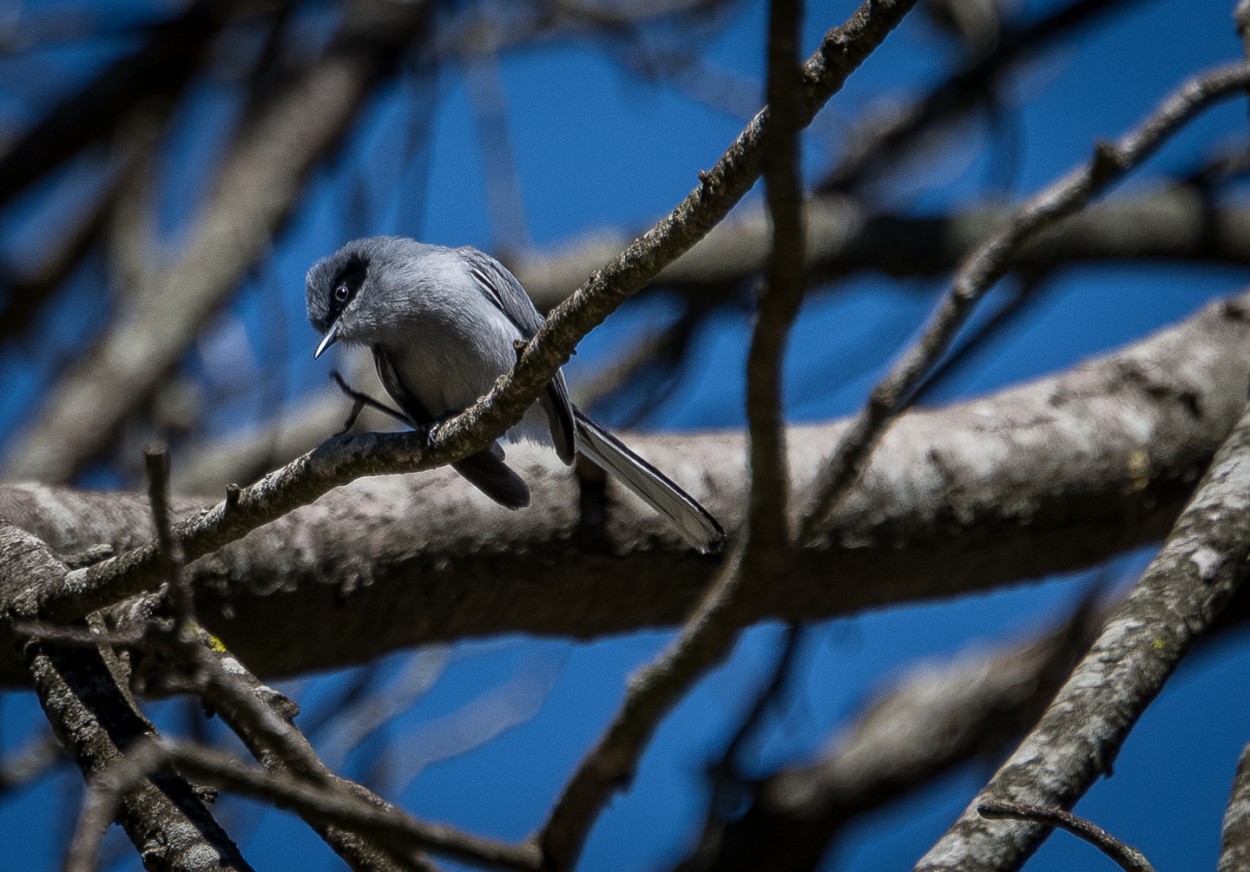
(695, 523)
(489, 474)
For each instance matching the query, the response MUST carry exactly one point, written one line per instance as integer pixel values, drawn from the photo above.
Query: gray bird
(442, 323)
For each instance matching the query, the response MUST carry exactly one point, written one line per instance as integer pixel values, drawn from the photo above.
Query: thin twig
(876, 145)
(711, 630)
(1126, 856)
(168, 549)
(1110, 162)
(321, 802)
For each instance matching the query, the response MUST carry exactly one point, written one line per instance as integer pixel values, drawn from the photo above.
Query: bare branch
(323, 803)
(1048, 477)
(1126, 857)
(767, 512)
(94, 719)
(992, 260)
(168, 550)
(280, 144)
(1177, 599)
(1235, 834)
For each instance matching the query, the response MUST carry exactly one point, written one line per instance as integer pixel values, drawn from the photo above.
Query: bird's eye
(341, 294)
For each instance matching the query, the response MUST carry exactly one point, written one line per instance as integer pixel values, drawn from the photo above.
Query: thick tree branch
(1047, 477)
(1176, 601)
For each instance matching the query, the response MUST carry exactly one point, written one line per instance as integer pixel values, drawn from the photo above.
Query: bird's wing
(501, 287)
(486, 470)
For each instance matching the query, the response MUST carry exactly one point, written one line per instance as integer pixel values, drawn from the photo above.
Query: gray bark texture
(1051, 476)
(1176, 601)
(95, 720)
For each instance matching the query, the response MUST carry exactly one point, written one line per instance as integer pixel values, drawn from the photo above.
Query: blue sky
(596, 147)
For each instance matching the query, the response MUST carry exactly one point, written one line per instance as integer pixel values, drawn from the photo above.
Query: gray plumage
(441, 324)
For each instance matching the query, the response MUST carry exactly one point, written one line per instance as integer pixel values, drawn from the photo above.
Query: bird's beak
(331, 337)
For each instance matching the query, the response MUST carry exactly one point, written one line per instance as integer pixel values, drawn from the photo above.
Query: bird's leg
(359, 401)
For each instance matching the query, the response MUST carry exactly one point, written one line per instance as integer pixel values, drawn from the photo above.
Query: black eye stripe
(346, 283)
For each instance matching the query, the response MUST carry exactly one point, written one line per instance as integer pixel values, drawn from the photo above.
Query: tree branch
(1048, 477)
(1126, 857)
(1176, 600)
(991, 261)
(931, 719)
(96, 721)
(1235, 834)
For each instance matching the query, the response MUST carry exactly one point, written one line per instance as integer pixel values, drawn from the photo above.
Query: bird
(442, 325)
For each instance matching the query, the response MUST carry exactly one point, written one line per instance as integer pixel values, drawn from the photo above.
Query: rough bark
(95, 720)
(1051, 476)
(1176, 601)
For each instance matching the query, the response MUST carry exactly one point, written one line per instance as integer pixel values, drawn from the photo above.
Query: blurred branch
(481, 720)
(934, 717)
(359, 715)
(499, 167)
(30, 762)
(260, 179)
(493, 28)
(878, 143)
(161, 66)
(28, 292)
(990, 262)
(1173, 605)
(1180, 222)
(961, 498)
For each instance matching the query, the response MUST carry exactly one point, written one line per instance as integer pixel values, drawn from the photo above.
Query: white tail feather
(695, 524)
